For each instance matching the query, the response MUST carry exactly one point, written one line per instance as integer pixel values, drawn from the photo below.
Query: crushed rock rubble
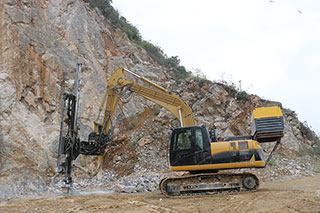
(134, 183)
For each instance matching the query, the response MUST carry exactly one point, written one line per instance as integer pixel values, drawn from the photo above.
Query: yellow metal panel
(219, 166)
(253, 145)
(265, 112)
(253, 160)
(219, 147)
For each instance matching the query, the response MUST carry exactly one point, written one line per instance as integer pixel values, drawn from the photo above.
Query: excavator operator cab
(189, 146)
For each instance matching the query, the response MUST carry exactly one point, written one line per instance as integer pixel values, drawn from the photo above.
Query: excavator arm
(118, 83)
(155, 93)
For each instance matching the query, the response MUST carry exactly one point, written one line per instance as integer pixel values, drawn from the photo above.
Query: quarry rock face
(41, 43)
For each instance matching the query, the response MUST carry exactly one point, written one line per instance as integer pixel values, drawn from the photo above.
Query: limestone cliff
(40, 44)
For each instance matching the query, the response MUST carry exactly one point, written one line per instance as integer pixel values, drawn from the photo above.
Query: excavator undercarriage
(211, 183)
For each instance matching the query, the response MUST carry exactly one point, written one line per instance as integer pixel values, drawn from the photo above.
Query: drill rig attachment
(70, 145)
(68, 149)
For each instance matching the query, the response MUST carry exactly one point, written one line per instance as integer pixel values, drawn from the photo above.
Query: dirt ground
(288, 195)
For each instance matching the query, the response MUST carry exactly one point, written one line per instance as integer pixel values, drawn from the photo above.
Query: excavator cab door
(189, 146)
(202, 145)
(182, 147)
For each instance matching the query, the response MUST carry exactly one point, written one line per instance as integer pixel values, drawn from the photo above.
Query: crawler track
(208, 184)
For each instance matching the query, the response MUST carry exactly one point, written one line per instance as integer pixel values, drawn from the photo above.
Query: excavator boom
(155, 93)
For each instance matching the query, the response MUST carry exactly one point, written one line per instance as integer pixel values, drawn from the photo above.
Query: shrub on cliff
(309, 134)
(155, 52)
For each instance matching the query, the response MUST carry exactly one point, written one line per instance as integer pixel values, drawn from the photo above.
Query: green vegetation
(157, 137)
(154, 51)
(202, 81)
(200, 77)
(272, 162)
(316, 171)
(311, 136)
(134, 35)
(242, 95)
(163, 123)
(131, 125)
(308, 151)
(133, 144)
(230, 87)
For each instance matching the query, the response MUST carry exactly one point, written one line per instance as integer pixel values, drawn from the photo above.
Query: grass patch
(272, 162)
(131, 125)
(316, 171)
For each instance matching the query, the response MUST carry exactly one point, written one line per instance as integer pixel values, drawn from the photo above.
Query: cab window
(183, 140)
(199, 139)
(243, 145)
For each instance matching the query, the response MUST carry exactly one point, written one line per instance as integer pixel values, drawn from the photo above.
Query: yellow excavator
(192, 147)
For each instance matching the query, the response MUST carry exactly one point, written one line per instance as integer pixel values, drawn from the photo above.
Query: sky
(271, 46)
